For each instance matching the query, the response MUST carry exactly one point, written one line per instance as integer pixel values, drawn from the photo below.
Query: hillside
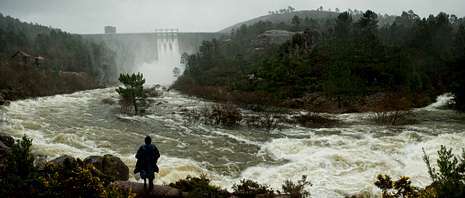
(320, 16)
(355, 60)
(36, 60)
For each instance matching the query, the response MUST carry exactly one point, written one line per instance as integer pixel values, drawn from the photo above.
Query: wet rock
(40, 161)
(7, 140)
(63, 159)
(315, 120)
(3, 101)
(158, 191)
(109, 165)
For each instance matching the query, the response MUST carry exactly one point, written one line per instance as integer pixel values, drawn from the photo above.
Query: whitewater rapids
(338, 161)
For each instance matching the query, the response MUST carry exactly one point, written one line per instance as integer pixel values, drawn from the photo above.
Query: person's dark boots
(145, 184)
(150, 185)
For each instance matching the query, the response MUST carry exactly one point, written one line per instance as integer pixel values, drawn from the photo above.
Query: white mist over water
(161, 71)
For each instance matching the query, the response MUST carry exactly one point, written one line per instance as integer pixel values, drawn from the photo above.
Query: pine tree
(296, 21)
(133, 88)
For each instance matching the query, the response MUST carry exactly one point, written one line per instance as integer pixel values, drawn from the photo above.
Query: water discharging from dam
(160, 71)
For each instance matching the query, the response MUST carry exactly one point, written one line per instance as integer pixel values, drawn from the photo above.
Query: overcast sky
(89, 16)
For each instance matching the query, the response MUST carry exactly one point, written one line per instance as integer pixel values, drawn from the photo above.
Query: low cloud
(89, 16)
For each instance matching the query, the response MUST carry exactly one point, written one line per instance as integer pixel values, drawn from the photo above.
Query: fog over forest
(89, 16)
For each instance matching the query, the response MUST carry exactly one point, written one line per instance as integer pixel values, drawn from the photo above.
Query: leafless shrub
(265, 120)
(126, 106)
(392, 118)
(155, 91)
(227, 115)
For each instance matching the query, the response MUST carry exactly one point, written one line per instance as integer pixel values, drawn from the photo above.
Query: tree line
(60, 62)
(61, 50)
(346, 57)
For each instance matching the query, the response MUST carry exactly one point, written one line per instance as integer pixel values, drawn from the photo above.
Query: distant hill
(311, 14)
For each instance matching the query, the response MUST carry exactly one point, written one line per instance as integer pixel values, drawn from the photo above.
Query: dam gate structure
(155, 54)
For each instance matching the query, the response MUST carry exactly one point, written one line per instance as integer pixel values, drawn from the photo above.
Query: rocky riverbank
(312, 102)
(20, 82)
(23, 175)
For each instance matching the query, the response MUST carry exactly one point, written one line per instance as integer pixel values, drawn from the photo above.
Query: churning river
(338, 161)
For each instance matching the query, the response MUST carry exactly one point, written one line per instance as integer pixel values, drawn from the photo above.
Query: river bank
(312, 102)
(19, 82)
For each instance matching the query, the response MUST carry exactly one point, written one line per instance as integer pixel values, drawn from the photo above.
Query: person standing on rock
(147, 157)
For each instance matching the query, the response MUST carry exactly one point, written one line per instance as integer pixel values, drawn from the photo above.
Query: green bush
(396, 189)
(297, 190)
(449, 178)
(199, 187)
(20, 171)
(249, 189)
(73, 178)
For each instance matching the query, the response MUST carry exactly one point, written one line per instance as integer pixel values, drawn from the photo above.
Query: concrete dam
(155, 54)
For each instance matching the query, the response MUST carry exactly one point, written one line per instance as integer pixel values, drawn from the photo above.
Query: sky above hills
(89, 16)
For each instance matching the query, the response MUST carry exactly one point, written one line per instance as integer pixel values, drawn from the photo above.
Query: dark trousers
(150, 178)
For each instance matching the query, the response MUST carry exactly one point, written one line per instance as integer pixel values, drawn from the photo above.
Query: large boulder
(157, 191)
(110, 166)
(7, 140)
(62, 159)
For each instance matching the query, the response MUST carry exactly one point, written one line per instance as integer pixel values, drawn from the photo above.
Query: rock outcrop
(7, 140)
(2, 100)
(109, 165)
(158, 191)
(3, 97)
(61, 160)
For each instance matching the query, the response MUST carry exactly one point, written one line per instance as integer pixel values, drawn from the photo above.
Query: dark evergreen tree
(132, 90)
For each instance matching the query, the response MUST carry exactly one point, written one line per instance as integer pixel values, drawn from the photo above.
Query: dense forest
(408, 62)
(59, 61)
(320, 16)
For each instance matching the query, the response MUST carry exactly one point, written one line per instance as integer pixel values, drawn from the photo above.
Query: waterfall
(160, 71)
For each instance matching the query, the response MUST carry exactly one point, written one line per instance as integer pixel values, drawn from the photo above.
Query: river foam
(338, 161)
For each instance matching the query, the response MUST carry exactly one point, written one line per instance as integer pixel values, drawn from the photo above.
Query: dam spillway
(154, 54)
